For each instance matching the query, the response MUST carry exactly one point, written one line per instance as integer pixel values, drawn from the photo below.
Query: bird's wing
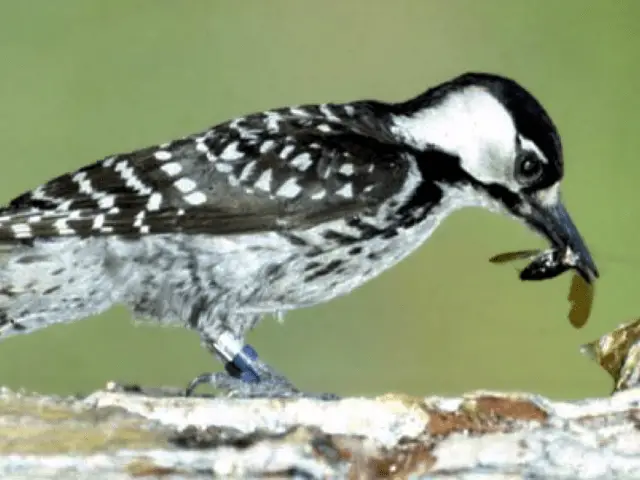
(263, 172)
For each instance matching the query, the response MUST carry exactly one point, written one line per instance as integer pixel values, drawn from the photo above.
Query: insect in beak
(549, 264)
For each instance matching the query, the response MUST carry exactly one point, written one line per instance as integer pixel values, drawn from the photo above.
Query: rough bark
(116, 434)
(129, 432)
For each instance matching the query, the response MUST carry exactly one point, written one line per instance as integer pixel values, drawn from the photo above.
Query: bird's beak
(549, 217)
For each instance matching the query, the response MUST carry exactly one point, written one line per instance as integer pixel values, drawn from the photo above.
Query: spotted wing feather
(286, 169)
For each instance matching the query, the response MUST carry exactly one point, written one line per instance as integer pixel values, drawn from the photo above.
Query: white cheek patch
(549, 196)
(471, 124)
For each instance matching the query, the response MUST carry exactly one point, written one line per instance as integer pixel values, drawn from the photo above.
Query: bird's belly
(265, 272)
(333, 274)
(288, 278)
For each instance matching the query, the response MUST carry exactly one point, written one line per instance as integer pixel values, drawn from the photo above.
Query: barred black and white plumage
(276, 210)
(288, 168)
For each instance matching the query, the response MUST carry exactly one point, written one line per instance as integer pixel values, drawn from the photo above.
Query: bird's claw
(246, 376)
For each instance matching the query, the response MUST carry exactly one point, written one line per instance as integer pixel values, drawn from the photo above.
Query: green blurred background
(81, 79)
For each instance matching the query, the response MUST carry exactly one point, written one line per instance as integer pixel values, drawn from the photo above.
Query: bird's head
(505, 151)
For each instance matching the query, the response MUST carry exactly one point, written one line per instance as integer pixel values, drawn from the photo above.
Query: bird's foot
(246, 376)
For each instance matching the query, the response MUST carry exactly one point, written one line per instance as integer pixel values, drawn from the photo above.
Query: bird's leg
(246, 376)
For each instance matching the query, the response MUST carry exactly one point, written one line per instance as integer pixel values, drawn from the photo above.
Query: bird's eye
(529, 168)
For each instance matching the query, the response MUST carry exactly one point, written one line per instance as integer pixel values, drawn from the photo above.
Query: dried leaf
(618, 352)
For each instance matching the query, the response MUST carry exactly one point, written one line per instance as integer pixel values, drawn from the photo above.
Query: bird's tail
(50, 282)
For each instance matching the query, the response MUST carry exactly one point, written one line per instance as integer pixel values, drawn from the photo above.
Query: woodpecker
(275, 211)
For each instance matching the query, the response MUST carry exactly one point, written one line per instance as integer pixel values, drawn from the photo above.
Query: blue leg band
(243, 363)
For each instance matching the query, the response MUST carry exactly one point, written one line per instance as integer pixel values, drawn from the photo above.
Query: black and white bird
(275, 211)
